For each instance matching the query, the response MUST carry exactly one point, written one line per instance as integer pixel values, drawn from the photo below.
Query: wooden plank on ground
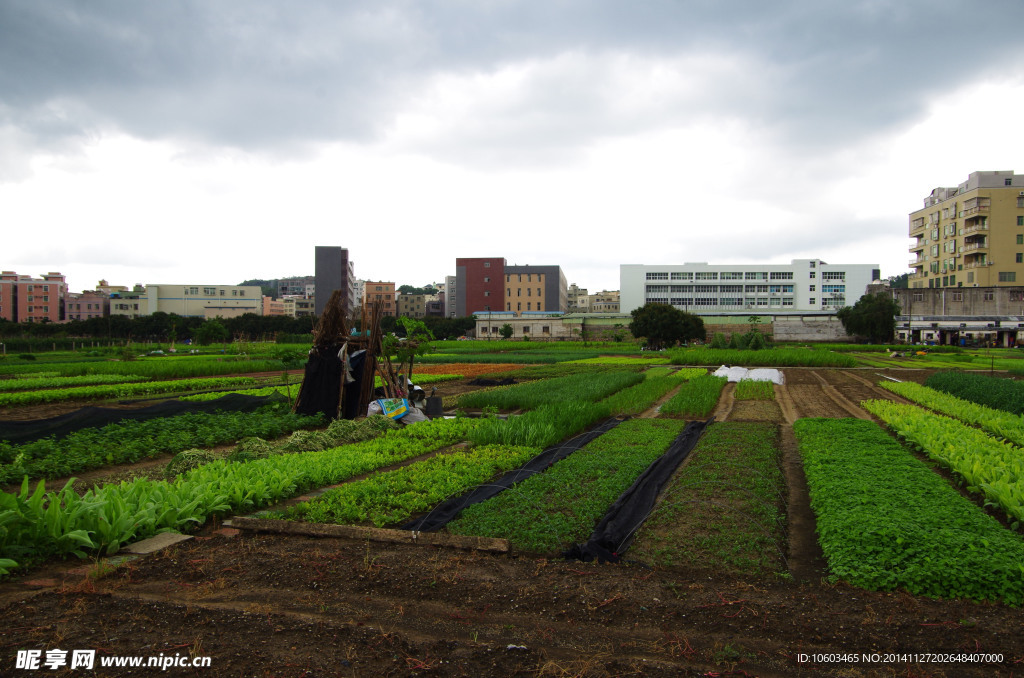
(370, 533)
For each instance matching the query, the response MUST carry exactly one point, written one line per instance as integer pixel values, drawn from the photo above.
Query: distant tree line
(167, 327)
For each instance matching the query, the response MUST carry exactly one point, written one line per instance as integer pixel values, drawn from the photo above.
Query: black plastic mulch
(614, 534)
(97, 417)
(446, 511)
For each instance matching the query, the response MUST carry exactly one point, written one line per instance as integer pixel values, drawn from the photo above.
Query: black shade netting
(613, 535)
(446, 511)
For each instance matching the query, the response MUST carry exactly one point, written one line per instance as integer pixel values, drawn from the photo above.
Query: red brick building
(480, 286)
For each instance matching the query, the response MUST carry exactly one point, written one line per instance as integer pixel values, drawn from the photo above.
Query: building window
(657, 276)
(545, 329)
(528, 308)
(538, 292)
(1008, 276)
(958, 296)
(508, 291)
(812, 301)
(811, 290)
(1020, 257)
(519, 306)
(918, 296)
(1020, 238)
(487, 264)
(529, 291)
(487, 278)
(1008, 182)
(508, 305)
(989, 295)
(487, 293)
(1020, 220)
(812, 264)
(812, 275)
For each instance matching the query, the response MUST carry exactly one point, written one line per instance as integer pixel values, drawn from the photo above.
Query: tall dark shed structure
(333, 272)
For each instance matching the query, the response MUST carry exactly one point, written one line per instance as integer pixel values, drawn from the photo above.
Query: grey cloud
(264, 75)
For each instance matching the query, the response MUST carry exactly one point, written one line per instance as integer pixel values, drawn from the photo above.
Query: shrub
(718, 341)
(738, 341)
(756, 341)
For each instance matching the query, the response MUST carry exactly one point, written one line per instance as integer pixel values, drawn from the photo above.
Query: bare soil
(261, 604)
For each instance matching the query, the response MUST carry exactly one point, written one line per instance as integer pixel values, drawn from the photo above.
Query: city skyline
(219, 142)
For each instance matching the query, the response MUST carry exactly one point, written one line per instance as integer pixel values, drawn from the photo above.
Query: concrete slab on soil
(162, 540)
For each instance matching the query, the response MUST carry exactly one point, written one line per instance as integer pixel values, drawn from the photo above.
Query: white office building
(805, 285)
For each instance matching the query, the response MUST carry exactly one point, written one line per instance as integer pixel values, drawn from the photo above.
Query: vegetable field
(840, 519)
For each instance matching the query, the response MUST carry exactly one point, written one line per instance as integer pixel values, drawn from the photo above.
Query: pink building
(27, 299)
(272, 306)
(86, 305)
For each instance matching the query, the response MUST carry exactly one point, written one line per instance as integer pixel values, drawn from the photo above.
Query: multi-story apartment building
(490, 285)
(805, 285)
(27, 299)
(576, 299)
(302, 286)
(299, 307)
(334, 271)
(450, 288)
(86, 305)
(380, 291)
(413, 305)
(205, 301)
(971, 235)
(603, 302)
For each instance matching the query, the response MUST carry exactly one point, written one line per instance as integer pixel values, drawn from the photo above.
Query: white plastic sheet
(758, 374)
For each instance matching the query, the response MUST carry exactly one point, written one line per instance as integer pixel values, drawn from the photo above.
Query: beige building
(414, 305)
(205, 301)
(381, 291)
(971, 235)
(603, 302)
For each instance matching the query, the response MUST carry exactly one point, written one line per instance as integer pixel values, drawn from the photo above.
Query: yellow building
(525, 292)
(971, 235)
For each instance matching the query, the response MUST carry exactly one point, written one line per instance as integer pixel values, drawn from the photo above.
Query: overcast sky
(212, 141)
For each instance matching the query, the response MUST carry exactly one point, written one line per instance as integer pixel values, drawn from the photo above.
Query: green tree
(661, 325)
(506, 331)
(873, 316)
(210, 332)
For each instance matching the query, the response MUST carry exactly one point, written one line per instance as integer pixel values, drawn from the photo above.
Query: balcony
(975, 228)
(978, 264)
(978, 209)
(916, 225)
(974, 246)
(916, 262)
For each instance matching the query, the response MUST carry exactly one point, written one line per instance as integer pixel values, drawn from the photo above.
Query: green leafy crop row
(41, 523)
(886, 521)
(989, 466)
(696, 398)
(119, 390)
(994, 392)
(7, 385)
(725, 509)
(775, 357)
(395, 496)
(997, 422)
(579, 387)
(549, 511)
(129, 441)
